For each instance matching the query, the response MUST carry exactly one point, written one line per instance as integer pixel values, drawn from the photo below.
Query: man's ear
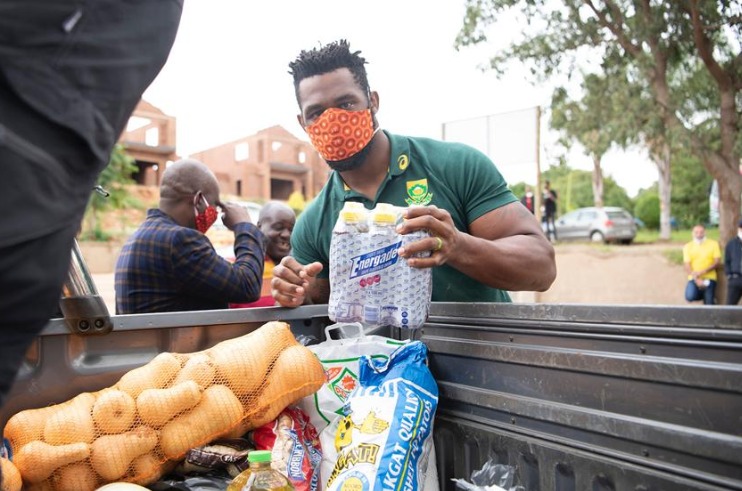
(300, 119)
(374, 102)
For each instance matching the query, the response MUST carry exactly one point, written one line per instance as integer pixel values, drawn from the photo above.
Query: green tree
(648, 209)
(587, 121)
(615, 195)
(672, 48)
(640, 124)
(690, 184)
(297, 202)
(113, 179)
(519, 189)
(575, 189)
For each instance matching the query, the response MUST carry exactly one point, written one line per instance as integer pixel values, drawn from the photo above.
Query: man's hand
(696, 274)
(440, 225)
(291, 281)
(504, 248)
(234, 214)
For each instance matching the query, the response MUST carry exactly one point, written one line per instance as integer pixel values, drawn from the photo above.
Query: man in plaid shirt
(169, 265)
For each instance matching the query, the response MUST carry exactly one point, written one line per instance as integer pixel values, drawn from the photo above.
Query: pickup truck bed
(576, 397)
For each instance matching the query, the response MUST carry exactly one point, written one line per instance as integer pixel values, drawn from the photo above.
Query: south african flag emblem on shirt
(418, 192)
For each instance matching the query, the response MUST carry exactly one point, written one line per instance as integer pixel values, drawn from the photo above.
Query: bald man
(168, 264)
(276, 221)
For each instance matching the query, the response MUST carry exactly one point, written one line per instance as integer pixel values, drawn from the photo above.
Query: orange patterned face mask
(339, 134)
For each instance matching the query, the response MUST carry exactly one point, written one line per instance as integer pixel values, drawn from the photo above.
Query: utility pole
(538, 194)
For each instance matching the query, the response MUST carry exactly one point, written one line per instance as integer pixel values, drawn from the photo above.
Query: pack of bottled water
(369, 282)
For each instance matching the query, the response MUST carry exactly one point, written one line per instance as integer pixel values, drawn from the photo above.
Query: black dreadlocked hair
(328, 58)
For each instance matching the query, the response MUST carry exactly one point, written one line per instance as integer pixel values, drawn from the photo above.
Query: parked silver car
(608, 224)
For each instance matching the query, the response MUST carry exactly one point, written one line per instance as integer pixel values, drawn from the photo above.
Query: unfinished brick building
(270, 164)
(149, 138)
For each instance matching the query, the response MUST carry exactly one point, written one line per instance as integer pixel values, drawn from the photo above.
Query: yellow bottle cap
(352, 211)
(350, 216)
(385, 213)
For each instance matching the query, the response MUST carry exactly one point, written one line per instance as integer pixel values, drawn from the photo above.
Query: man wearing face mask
(733, 267)
(484, 242)
(169, 265)
(701, 256)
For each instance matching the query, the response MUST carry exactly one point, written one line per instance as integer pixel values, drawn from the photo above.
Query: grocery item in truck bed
(294, 446)
(369, 281)
(138, 428)
(384, 438)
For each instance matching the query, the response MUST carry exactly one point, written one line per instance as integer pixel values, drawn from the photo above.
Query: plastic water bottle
(346, 303)
(380, 288)
(415, 288)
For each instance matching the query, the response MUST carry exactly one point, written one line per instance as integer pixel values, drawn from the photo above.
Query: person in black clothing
(550, 209)
(733, 267)
(71, 73)
(528, 200)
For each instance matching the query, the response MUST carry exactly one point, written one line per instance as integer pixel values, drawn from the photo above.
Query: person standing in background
(528, 200)
(701, 256)
(277, 222)
(733, 267)
(550, 209)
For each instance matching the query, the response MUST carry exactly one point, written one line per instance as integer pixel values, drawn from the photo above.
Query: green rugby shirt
(451, 176)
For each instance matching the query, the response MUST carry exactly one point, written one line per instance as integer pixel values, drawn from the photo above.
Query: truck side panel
(583, 399)
(576, 397)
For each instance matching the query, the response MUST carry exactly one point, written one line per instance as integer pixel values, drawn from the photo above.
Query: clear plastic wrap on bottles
(369, 282)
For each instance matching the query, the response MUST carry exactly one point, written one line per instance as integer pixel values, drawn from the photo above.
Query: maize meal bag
(384, 440)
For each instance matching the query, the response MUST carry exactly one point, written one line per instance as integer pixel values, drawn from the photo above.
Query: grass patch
(96, 235)
(645, 236)
(675, 256)
(605, 248)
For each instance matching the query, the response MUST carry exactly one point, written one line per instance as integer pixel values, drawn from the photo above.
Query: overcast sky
(227, 74)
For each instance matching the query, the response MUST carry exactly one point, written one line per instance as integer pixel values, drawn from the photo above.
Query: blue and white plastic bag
(340, 359)
(385, 438)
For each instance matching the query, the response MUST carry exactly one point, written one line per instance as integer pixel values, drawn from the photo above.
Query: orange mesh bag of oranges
(138, 429)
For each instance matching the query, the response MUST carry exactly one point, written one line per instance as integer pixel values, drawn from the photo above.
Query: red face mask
(205, 220)
(338, 134)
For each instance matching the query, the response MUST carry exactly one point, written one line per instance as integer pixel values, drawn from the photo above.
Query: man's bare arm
(505, 248)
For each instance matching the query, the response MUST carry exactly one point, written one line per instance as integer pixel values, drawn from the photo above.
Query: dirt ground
(636, 274)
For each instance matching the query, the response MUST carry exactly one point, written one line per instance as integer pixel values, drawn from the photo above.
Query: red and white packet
(294, 444)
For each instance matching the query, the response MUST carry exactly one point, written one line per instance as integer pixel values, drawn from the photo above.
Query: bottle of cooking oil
(260, 476)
